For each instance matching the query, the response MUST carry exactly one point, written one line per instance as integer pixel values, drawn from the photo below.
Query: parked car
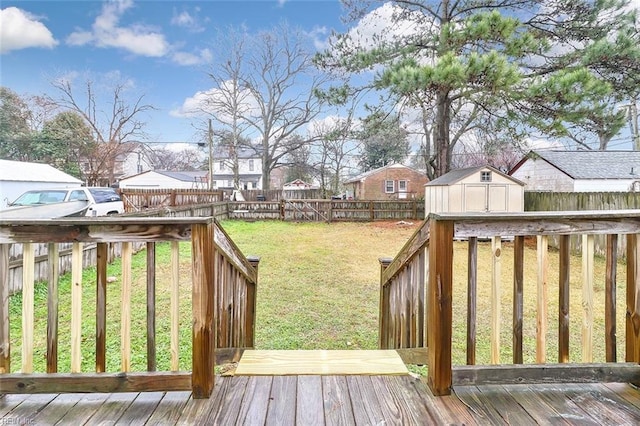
(101, 201)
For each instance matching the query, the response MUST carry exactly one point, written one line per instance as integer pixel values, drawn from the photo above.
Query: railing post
(5, 352)
(383, 319)
(633, 300)
(250, 324)
(439, 315)
(203, 300)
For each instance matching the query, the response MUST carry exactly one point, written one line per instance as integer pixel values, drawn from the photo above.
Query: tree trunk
(443, 121)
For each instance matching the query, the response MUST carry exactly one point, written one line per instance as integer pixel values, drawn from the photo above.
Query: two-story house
(248, 163)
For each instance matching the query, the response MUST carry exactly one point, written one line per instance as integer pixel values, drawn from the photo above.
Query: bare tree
(282, 83)
(230, 99)
(113, 123)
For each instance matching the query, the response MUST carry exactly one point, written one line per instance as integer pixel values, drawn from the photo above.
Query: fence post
(250, 324)
(282, 208)
(203, 300)
(439, 313)
(383, 318)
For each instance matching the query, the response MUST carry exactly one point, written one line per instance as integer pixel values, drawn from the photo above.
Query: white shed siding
(469, 194)
(151, 180)
(538, 175)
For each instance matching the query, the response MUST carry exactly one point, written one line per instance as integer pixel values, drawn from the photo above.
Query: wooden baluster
(76, 307)
(633, 300)
(175, 305)
(151, 306)
(563, 298)
(125, 306)
(102, 258)
(588, 250)
(610, 298)
(28, 258)
(5, 338)
(203, 299)
(496, 305)
(542, 299)
(472, 291)
(518, 297)
(422, 277)
(439, 311)
(53, 262)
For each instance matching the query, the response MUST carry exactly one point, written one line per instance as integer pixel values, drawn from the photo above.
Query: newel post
(383, 312)
(633, 300)
(439, 314)
(203, 300)
(250, 324)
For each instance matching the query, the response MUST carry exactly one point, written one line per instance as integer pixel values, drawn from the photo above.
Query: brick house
(392, 182)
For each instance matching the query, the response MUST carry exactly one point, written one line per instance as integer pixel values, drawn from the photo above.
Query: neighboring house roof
(21, 171)
(363, 176)
(299, 184)
(590, 164)
(243, 152)
(186, 176)
(455, 176)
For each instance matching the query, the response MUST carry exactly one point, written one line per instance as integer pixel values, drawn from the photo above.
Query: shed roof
(21, 171)
(590, 164)
(455, 176)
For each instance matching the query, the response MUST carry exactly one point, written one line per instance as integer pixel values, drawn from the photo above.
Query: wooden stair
(320, 362)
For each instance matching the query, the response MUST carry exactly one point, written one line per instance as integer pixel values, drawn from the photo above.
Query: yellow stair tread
(320, 362)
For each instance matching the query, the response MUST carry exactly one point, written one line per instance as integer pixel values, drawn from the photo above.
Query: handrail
(218, 267)
(435, 242)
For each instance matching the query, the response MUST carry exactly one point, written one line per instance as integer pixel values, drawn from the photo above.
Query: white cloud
(106, 32)
(201, 104)
(320, 38)
(20, 30)
(190, 21)
(203, 56)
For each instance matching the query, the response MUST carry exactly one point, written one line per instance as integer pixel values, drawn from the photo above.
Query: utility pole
(210, 156)
(633, 119)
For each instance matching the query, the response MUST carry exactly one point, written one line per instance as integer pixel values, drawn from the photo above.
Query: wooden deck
(333, 400)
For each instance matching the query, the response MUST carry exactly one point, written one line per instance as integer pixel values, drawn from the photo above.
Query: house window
(251, 165)
(389, 187)
(485, 176)
(221, 165)
(402, 186)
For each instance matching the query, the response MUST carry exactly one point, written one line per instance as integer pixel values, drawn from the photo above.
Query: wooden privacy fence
(223, 289)
(142, 199)
(583, 201)
(416, 297)
(328, 210)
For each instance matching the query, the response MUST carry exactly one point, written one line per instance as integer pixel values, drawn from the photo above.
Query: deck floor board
(332, 400)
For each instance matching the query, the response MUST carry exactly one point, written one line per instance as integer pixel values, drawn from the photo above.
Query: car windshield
(104, 195)
(40, 197)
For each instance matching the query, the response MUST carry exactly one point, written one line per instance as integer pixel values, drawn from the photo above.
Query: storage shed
(17, 177)
(472, 190)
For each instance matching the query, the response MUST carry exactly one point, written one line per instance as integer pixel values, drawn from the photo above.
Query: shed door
(497, 201)
(475, 198)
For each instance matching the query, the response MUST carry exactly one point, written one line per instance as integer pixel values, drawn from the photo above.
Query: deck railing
(223, 284)
(417, 297)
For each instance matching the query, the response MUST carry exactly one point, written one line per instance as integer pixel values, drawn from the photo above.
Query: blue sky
(162, 47)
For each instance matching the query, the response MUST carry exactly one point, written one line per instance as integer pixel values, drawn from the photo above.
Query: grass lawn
(318, 289)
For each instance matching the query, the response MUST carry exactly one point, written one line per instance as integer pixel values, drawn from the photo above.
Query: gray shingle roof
(190, 176)
(455, 175)
(594, 164)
